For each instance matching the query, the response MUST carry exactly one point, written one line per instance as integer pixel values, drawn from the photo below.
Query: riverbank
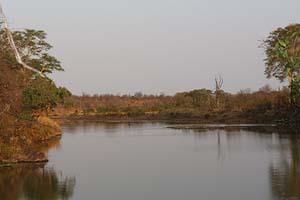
(262, 128)
(202, 118)
(24, 134)
(28, 143)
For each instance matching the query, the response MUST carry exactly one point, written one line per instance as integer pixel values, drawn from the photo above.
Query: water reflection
(285, 172)
(284, 169)
(107, 127)
(226, 163)
(34, 182)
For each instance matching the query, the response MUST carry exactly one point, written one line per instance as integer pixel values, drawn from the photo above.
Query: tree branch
(13, 45)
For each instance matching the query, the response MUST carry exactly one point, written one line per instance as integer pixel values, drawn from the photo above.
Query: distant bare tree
(218, 83)
(218, 91)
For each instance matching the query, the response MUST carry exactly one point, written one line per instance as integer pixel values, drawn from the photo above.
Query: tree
(201, 98)
(43, 95)
(33, 49)
(219, 93)
(63, 94)
(282, 48)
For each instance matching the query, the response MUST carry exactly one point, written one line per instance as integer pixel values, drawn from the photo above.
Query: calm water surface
(147, 161)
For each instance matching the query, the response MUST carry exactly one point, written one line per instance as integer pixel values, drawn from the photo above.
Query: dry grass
(46, 121)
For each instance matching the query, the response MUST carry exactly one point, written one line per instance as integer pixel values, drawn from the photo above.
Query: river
(148, 161)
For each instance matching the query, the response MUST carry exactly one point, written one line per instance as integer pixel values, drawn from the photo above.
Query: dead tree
(218, 86)
(219, 83)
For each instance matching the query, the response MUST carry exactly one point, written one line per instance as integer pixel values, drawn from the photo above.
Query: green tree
(63, 94)
(43, 95)
(201, 98)
(33, 49)
(282, 48)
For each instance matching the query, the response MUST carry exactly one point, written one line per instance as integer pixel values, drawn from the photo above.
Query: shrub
(136, 112)
(43, 95)
(103, 109)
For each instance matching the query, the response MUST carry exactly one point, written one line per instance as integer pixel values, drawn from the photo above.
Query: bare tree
(218, 92)
(218, 83)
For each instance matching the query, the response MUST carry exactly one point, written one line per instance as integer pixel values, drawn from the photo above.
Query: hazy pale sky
(153, 46)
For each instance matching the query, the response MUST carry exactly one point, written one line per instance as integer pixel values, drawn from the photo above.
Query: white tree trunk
(13, 44)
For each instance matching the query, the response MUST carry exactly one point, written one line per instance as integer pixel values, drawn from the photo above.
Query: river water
(148, 161)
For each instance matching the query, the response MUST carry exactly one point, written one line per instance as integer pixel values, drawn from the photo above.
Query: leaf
(298, 76)
(294, 34)
(292, 60)
(287, 72)
(282, 43)
(285, 54)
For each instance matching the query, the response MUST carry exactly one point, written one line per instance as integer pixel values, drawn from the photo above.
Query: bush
(104, 109)
(136, 112)
(43, 95)
(181, 113)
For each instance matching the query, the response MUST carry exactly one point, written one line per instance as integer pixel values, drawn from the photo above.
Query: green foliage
(182, 99)
(26, 115)
(33, 49)
(197, 98)
(136, 112)
(104, 109)
(282, 49)
(182, 112)
(43, 95)
(295, 92)
(261, 106)
(64, 95)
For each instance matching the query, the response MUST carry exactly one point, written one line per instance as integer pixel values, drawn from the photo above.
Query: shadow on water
(34, 182)
(285, 172)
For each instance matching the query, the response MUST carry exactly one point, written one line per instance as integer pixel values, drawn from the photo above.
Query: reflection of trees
(285, 175)
(285, 172)
(113, 127)
(34, 182)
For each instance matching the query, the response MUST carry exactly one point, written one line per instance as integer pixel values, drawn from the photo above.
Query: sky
(169, 46)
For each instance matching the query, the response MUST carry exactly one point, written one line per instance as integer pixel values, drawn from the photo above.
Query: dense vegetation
(282, 61)
(265, 105)
(25, 97)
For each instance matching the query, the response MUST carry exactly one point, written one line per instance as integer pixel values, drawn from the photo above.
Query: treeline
(282, 61)
(264, 105)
